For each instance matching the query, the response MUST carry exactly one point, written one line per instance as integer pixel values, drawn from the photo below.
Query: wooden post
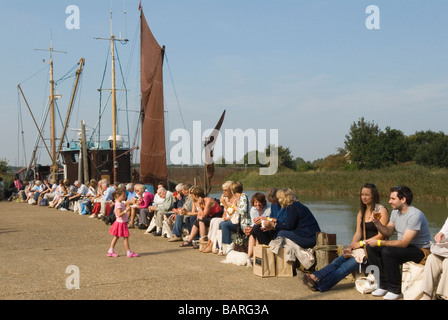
(326, 249)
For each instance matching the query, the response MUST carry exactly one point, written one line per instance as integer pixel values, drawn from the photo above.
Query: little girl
(120, 226)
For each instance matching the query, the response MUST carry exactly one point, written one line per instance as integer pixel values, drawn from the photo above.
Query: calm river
(338, 215)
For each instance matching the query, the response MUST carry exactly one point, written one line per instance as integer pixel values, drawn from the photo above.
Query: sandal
(309, 282)
(186, 244)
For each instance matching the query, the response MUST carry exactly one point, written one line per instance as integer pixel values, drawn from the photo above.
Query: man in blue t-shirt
(412, 244)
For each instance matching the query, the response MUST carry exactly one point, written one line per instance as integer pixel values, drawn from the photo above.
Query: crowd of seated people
(186, 215)
(213, 225)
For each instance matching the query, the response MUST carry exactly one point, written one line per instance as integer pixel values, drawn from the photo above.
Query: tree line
(366, 146)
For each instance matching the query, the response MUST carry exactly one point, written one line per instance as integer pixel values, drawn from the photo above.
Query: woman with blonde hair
(228, 203)
(299, 224)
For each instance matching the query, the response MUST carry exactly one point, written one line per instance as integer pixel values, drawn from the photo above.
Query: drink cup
(377, 211)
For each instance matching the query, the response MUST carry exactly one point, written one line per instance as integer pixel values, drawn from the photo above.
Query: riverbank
(427, 184)
(38, 244)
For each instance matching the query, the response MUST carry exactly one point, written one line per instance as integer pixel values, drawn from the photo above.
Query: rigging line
(45, 67)
(131, 55)
(98, 124)
(174, 88)
(177, 99)
(68, 75)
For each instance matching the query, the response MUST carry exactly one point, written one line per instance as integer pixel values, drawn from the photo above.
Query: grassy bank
(427, 184)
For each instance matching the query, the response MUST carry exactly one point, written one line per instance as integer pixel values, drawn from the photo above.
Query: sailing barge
(84, 160)
(88, 159)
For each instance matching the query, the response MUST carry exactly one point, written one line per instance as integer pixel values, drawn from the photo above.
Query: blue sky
(307, 68)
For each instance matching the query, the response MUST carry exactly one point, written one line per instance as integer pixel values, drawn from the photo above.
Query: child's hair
(118, 192)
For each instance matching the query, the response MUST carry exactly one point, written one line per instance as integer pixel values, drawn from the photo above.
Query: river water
(338, 215)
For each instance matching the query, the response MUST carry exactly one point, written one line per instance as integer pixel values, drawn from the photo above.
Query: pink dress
(120, 226)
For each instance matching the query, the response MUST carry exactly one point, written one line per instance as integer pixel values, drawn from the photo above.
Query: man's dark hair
(403, 192)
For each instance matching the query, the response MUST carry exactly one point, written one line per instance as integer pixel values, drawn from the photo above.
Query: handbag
(366, 284)
(440, 249)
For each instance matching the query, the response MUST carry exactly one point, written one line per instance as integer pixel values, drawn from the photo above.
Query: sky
(308, 69)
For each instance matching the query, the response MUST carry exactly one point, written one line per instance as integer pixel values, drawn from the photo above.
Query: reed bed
(426, 183)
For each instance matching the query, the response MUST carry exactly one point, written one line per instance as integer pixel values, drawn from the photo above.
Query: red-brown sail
(152, 151)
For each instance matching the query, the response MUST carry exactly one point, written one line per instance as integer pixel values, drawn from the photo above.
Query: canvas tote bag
(264, 261)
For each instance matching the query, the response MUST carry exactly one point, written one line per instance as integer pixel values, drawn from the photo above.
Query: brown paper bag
(264, 261)
(283, 267)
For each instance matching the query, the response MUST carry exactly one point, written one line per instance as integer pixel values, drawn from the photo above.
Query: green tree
(393, 147)
(363, 142)
(333, 161)
(284, 157)
(429, 148)
(4, 165)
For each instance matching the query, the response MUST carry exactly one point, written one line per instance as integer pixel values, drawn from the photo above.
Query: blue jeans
(179, 224)
(227, 227)
(329, 276)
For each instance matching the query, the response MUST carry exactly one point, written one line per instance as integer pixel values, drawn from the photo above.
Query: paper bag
(283, 267)
(264, 261)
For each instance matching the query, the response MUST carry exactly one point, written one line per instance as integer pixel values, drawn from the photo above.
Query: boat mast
(112, 40)
(52, 117)
(114, 102)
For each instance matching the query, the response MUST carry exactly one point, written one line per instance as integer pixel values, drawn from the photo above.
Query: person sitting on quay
(179, 198)
(277, 215)
(182, 218)
(163, 210)
(239, 218)
(228, 202)
(81, 192)
(64, 205)
(46, 188)
(206, 209)
(106, 199)
(299, 224)
(85, 204)
(412, 244)
(35, 188)
(130, 201)
(259, 208)
(144, 200)
(326, 278)
(15, 187)
(60, 191)
(435, 275)
(51, 193)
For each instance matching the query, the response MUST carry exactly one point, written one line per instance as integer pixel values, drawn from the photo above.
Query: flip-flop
(186, 244)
